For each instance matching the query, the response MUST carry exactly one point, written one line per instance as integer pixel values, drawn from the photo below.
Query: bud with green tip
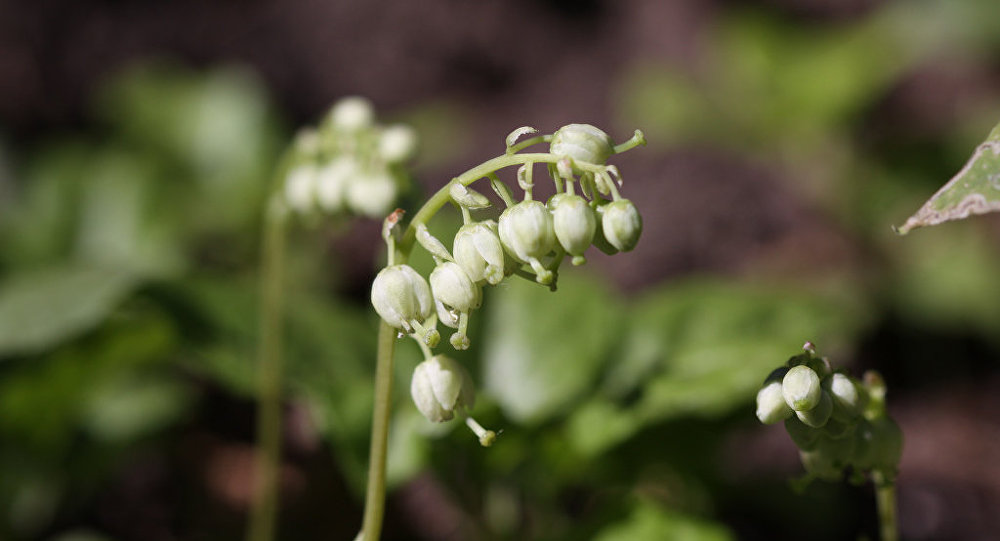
(477, 249)
(801, 388)
(582, 142)
(574, 224)
(402, 297)
(847, 403)
(621, 224)
(526, 231)
(818, 416)
(453, 287)
(441, 387)
(771, 406)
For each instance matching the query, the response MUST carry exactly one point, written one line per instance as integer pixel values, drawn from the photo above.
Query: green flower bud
(440, 387)
(454, 288)
(818, 416)
(582, 142)
(332, 182)
(352, 114)
(478, 251)
(397, 143)
(771, 406)
(621, 224)
(801, 388)
(526, 231)
(847, 403)
(805, 437)
(574, 224)
(402, 297)
(372, 195)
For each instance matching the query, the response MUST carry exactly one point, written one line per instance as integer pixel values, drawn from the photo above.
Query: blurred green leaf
(973, 190)
(41, 309)
(702, 348)
(543, 349)
(649, 522)
(129, 407)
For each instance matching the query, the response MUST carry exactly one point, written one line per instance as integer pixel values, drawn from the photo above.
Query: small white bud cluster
(529, 239)
(836, 421)
(349, 164)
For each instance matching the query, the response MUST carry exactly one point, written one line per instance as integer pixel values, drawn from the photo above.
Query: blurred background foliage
(785, 138)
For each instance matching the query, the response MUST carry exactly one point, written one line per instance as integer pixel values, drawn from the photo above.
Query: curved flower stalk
(839, 424)
(347, 165)
(530, 240)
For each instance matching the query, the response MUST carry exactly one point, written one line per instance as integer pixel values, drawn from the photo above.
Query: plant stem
(263, 514)
(371, 526)
(885, 501)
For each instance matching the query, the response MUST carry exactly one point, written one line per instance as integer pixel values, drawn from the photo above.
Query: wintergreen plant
(530, 240)
(839, 424)
(348, 165)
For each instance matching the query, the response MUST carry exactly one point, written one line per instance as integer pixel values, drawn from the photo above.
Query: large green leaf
(544, 349)
(42, 309)
(973, 190)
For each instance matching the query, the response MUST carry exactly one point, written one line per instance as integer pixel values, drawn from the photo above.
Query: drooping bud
(801, 388)
(352, 114)
(402, 297)
(771, 406)
(583, 143)
(441, 387)
(332, 181)
(478, 251)
(526, 231)
(818, 416)
(574, 224)
(452, 286)
(397, 143)
(372, 195)
(621, 224)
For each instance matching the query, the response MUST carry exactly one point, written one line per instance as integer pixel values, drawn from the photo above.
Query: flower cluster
(836, 421)
(349, 163)
(530, 239)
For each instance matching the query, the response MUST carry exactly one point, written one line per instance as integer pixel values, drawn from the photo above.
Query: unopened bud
(817, 417)
(440, 387)
(582, 142)
(771, 406)
(847, 404)
(452, 286)
(402, 297)
(526, 231)
(477, 249)
(300, 187)
(801, 388)
(621, 224)
(574, 224)
(397, 143)
(332, 182)
(352, 114)
(372, 195)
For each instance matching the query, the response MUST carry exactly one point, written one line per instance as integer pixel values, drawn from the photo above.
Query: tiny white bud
(478, 250)
(401, 297)
(526, 231)
(397, 143)
(847, 403)
(300, 188)
(574, 224)
(771, 406)
(452, 286)
(621, 224)
(372, 195)
(582, 142)
(801, 388)
(352, 114)
(332, 181)
(440, 387)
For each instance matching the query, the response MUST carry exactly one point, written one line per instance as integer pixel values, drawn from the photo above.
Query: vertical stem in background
(371, 526)
(263, 514)
(885, 501)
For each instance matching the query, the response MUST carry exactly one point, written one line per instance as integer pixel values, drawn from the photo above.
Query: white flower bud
(771, 406)
(332, 181)
(582, 142)
(440, 387)
(801, 388)
(621, 224)
(847, 404)
(574, 224)
(478, 250)
(817, 417)
(352, 114)
(526, 232)
(300, 187)
(397, 143)
(372, 195)
(454, 288)
(401, 297)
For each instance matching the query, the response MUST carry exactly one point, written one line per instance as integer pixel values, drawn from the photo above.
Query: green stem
(885, 501)
(264, 511)
(371, 526)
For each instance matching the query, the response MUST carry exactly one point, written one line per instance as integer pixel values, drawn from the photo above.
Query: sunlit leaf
(973, 190)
